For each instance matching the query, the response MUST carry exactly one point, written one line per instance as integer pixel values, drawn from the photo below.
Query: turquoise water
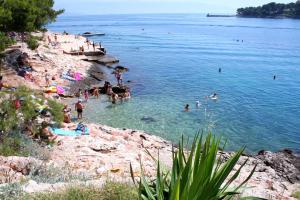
(174, 60)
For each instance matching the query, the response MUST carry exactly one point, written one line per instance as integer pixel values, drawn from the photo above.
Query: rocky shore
(107, 152)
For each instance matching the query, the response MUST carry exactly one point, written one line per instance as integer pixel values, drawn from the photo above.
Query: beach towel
(67, 77)
(60, 90)
(77, 76)
(63, 132)
(51, 89)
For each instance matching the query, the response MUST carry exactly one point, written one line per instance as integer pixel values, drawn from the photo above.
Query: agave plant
(199, 174)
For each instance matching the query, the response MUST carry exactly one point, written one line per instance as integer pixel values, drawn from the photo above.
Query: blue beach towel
(63, 132)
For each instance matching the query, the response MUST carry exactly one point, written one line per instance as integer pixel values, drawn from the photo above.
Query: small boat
(89, 34)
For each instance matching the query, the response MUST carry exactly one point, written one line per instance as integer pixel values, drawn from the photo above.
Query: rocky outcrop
(285, 163)
(14, 169)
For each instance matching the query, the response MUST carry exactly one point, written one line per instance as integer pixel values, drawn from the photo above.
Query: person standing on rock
(49, 40)
(47, 78)
(118, 76)
(55, 38)
(79, 108)
(94, 46)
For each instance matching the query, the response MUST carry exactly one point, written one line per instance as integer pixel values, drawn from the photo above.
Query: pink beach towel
(60, 90)
(77, 76)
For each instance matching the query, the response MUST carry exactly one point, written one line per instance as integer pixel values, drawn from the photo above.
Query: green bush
(55, 109)
(18, 144)
(4, 41)
(199, 174)
(32, 43)
(12, 146)
(110, 191)
(119, 191)
(296, 195)
(26, 15)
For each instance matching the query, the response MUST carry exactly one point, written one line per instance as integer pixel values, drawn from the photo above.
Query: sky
(94, 7)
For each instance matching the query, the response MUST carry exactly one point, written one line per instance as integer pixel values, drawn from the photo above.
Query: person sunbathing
(47, 134)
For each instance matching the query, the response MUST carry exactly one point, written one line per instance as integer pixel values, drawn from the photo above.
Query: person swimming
(214, 96)
(187, 108)
(198, 104)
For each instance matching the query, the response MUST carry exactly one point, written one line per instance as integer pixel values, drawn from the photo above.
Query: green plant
(109, 191)
(55, 109)
(11, 146)
(32, 43)
(18, 144)
(296, 195)
(4, 41)
(26, 15)
(114, 190)
(52, 174)
(11, 191)
(199, 174)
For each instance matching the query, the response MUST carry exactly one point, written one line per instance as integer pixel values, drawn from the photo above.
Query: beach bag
(81, 127)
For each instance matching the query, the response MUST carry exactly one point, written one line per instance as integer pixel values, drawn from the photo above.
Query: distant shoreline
(256, 17)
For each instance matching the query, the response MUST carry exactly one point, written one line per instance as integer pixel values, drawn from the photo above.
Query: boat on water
(210, 15)
(89, 34)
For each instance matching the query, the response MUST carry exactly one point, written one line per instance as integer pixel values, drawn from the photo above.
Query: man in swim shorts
(79, 108)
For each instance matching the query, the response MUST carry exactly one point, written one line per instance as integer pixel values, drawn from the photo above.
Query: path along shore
(107, 152)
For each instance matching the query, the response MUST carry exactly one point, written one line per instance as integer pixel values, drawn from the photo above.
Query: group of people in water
(95, 92)
(213, 96)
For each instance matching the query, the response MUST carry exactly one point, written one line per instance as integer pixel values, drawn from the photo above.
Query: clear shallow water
(174, 61)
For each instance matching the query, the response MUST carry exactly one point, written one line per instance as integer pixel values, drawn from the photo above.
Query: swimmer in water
(214, 96)
(186, 108)
(198, 104)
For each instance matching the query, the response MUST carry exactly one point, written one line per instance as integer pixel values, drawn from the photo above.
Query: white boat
(88, 34)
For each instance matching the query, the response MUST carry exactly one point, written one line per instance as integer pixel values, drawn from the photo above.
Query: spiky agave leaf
(199, 175)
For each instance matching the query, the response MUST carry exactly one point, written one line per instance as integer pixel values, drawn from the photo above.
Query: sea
(174, 60)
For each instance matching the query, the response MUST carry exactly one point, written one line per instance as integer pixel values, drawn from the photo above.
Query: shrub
(296, 194)
(110, 191)
(32, 43)
(52, 174)
(199, 174)
(114, 191)
(17, 144)
(55, 109)
(11, 146)
(11, 192)
(4, 41)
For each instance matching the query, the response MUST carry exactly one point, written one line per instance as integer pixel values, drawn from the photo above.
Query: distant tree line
(272, 10)
(25, 16)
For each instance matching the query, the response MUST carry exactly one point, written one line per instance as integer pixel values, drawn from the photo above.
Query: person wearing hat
(79, 108)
